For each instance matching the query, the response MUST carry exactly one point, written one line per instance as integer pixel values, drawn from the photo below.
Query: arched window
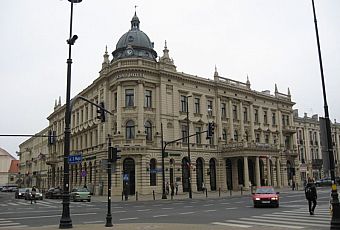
(148, 130)
(153, 172)
(130, 130)
(224, 134)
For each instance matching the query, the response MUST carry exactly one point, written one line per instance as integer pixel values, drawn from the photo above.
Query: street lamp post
(163, 172)
(65, 221)
(188, 134)
(335, 221)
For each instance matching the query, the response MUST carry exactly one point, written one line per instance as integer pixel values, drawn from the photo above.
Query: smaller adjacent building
(8, 171)
(310, 146)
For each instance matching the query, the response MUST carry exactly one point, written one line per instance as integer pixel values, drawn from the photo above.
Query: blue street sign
(126, 177)
(75, 159)
(83, 173)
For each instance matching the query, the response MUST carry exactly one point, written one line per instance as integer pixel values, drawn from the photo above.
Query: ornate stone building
(310, 146)
(253, 142)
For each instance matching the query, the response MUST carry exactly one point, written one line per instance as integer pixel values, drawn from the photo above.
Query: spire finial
(215, 73)
(288, 91)
(165, 47)
(106, 49)
(59, 100)
(136, 10)
(135, 21)
(276, 91)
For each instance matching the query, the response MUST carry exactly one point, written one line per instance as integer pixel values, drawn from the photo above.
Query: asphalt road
(234, 211)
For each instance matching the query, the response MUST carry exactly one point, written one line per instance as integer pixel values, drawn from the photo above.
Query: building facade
(6, 176)
(253, 142)
(311, 151)
(33, 166)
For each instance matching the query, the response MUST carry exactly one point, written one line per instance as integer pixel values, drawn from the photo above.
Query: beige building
(310, 146)
(32, 155)
(253, 142)
(6, 176)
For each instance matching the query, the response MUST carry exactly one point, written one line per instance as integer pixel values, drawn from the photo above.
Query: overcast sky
(271, 41)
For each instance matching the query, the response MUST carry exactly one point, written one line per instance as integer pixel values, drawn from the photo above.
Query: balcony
(291, 153)
(51, 161)
(247, 147)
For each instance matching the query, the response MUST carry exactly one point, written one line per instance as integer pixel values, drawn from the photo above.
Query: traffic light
(211, 129)
(101, 112)
(113, 154)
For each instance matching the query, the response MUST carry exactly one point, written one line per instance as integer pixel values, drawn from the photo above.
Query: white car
(28, 194)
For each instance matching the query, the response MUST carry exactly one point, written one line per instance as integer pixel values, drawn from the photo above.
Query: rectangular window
(148, 99)
(210, 107)
(265, 118)
(245, 114)
(184, 103)
(184, 133)
(273, 118)
(257, 138)
(198, 135)
(256, 115)
(129, 98)
(267, 139)
(224, 110)
(235, 112)
(197, 105)
(86, 113)
(115, 98)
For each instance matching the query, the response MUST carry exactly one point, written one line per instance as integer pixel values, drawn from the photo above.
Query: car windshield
(264, 191)
(81, 190)
(22, 189)
(30, 189)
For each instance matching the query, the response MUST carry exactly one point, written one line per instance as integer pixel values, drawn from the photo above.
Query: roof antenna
(136, 9)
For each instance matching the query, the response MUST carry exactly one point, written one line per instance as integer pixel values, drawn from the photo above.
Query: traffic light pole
(109, 184)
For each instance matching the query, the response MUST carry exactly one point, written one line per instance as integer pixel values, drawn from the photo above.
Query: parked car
(266, 196)
(323, 182)
(54, 193)
(9, 188)
(20, 193)
(80, 194)
(28, 194)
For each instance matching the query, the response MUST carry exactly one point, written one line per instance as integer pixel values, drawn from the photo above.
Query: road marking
(222, 203)
(212, 210)
(157, 205)
(285, 222)
(167, 208)
(160, 216)
(299, 217)
(16, 226)
(188, 206)
(4, 221)
(291, 219)
(119, 211)
(266, 224)
(94, 222)
(131, 218)
(11, 223)
(186, 213)
(231, 208)
(15, 204)
(23, 203)
(232, 225)
(208, 205)
(143, 210)
(140, 206)
(117, 207)
(38, 217)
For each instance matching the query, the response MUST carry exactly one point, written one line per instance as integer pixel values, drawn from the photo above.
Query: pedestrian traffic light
(113, 154)
(101, 112)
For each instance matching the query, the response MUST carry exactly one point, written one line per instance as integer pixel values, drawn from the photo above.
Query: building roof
(14, 168)
(5, 153)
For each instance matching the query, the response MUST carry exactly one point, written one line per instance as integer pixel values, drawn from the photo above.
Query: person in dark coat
(33, 194)
(311, 195)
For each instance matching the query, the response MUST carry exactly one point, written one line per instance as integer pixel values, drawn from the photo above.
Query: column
(231, 119)
(119, 108)
(140, 107)
(241, 121)
(269, 176)
(246, 173)
(251, 115)
(257, 171)
(234, 173)
(278, 173)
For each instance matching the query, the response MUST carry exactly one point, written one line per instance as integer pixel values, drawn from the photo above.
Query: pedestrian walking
(167, 188)
(33, 194)
(172, 190)
(203, 187)
(293, 185)
(176, 186)
(311, 195)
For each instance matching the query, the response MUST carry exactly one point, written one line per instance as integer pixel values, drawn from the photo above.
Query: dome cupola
(134, 43)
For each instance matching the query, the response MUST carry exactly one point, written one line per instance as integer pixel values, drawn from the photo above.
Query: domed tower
(134, 43)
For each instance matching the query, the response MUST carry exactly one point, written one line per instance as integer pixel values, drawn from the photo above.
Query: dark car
(266, 196)
(20, 193)
(54, 193)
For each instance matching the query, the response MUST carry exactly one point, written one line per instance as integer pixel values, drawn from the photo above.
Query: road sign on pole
(75, 159)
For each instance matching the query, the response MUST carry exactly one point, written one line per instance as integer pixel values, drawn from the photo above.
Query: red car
(266, 196)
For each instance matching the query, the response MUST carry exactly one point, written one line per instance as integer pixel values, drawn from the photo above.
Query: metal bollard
(136, 196)
(206, 193)
(219, 192)
(122, 195)
(153, 194)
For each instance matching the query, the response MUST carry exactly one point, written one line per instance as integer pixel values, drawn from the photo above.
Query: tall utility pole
(163, 171)
(65, 221)
(335, 221)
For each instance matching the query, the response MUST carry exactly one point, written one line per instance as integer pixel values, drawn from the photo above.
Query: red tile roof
(14, 166)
